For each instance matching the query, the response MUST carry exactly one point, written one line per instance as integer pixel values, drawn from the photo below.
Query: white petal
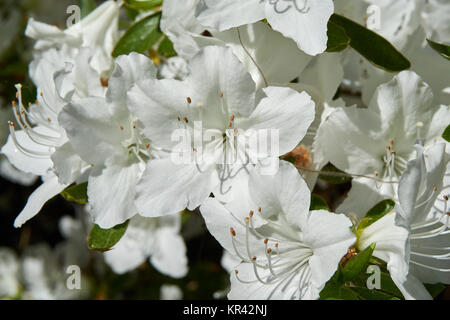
(308, 29)
(286, 111)
(169, 256)
(67, 162)
(225, 14)
(111, 193)
(284, 192)
(35, 165)
(391, 244)
(249, 44)
(216, 70)
(47, 190)
(168, 188)
(329, 236)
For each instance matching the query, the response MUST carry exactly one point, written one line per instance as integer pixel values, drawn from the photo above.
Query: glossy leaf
(372, 46)
(442, 49)
(77, 193)
(377, 212)
(337, 38)
(142, 4)
(104, 239)
(140, 37)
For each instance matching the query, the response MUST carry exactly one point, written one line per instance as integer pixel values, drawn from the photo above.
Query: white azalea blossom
(105, 124)
(380, 140)
(218, 103)
(98, 31)
(293, 253)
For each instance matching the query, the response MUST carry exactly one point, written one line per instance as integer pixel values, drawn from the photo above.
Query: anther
(276, 245)
(178, 118)
(230, 124)
(236, 272)
(266, 240)
(121, 128)
(221, 94)
(189, 100)
(259, 209)
(147, 145)
(14, 104)
(251, 213)
(391, 142)
(445, 197)
(185, 120)
(254, 258)
(233, 233)
(434, 188)
(232, 117)
(104, 82)
(269, 251)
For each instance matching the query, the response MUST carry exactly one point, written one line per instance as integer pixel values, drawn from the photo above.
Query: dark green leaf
(318, 203)
(337, 39)
(77, 193)
(442, 49)
(435, 289)
(333, 175)
(337, 292)
(142, 4)
(376, 213)
(104, 239)
(166, 49)
(140, 37)
(87, 6)
(358, 264)
(446, 134)
(372, 46)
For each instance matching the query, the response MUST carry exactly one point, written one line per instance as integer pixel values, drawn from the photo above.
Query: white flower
(304, 21)
(99, 31)
(9, 273)
(218, 103)
(423, 196)
(37, 143)
(106, 135)
(154, 239)
(293, 252)
(377, 142)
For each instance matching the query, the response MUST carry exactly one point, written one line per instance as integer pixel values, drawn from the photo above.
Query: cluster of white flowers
(152, 140)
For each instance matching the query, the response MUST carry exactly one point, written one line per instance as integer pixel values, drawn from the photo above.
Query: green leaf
(377, 212)
(140, 37)
(358, 264)
(104, 239)
(337, 292)
(318, 203)
(337, 39)
(77, 193)
(435, 289)
(442, 49)
(333, 175)
(142, 4)
(87, 6)
(446, 134)
(372, 46)
(166, 49)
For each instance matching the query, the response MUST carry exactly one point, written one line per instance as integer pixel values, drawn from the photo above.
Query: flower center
(284, 258)
(43, 118)
(394, 163)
